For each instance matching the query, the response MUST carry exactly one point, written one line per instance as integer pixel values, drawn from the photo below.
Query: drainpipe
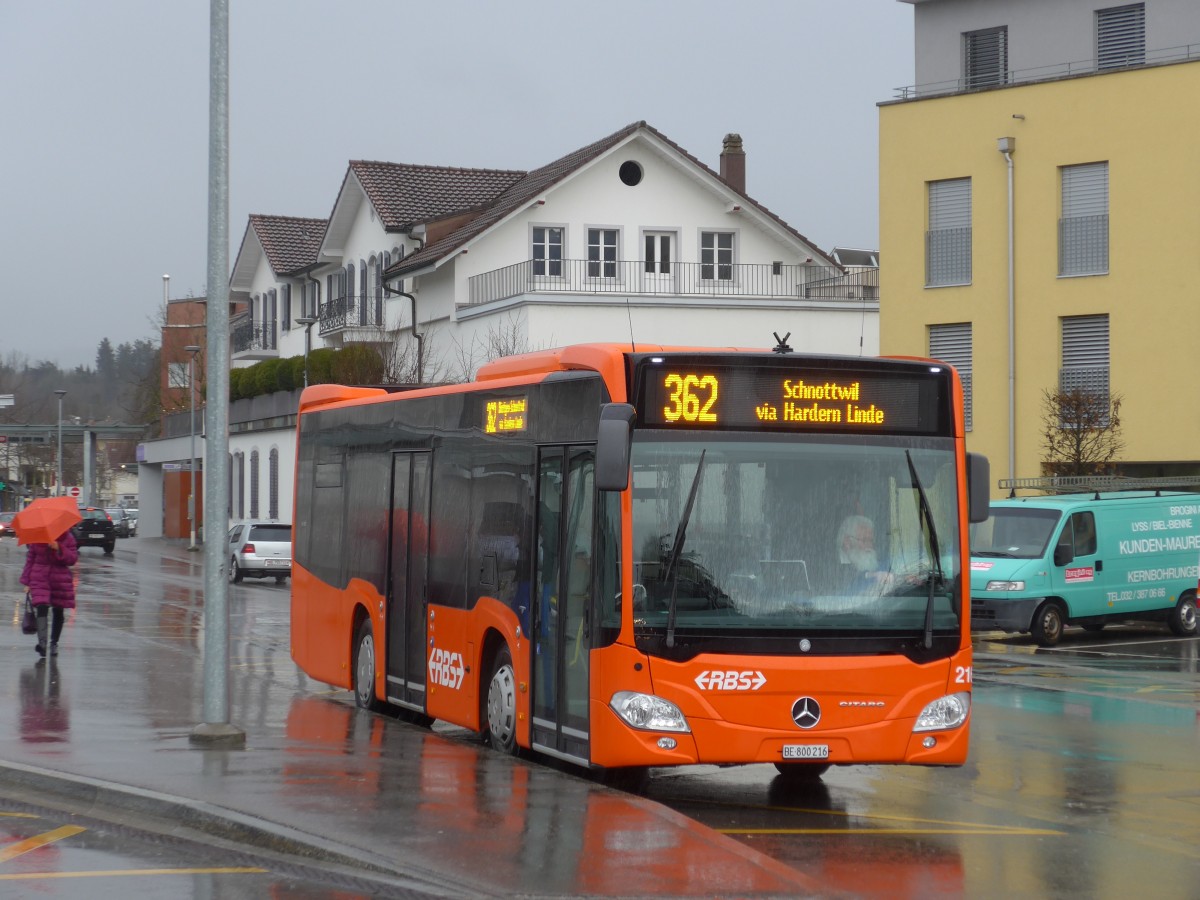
(1008, 146)
(419, 338)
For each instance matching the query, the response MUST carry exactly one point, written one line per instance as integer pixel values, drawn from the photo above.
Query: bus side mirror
(979, 477)
(613, 441)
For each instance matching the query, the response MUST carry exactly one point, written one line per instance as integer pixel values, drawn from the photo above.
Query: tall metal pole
(216, 728)
(193, 350)
(58, 472)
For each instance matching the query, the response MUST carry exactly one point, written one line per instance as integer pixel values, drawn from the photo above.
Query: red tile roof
(291, 244)
(405, 195)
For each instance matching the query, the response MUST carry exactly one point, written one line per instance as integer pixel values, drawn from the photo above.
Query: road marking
(992, 831)
(14, 815)
(12, 851)
(100, 873)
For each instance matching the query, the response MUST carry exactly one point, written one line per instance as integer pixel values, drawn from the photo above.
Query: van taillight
(247, 548)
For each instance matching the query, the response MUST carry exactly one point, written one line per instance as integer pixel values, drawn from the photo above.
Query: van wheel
(1048, 624)
(502, 705)
(1182, 617)
(364, 668)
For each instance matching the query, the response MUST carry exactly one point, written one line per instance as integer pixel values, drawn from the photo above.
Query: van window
(1084, 526)
(1014, 532)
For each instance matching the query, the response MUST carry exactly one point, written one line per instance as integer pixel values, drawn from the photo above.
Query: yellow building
(1096, 176)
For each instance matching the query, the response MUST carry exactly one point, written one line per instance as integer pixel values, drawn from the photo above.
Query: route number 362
(692, 398)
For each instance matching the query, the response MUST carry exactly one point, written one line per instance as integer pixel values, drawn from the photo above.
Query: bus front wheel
(1182, 617)
(502, 704)
(1048, 624)
(364, 668)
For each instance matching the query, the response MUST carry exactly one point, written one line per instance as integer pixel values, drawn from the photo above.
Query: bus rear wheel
(502, 704)
(1182, 617)
(1048, 624)
(364, 668)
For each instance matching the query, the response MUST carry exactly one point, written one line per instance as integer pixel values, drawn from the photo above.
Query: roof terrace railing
(1048, 73)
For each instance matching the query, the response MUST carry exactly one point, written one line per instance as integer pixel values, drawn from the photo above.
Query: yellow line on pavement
(896, 832)
(101, 873)
(11, 815)
(12, 851)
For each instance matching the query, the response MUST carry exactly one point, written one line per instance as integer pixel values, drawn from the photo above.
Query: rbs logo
(446, 668)
(717, 680)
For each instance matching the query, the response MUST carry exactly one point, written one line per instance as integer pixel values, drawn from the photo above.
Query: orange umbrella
(45, 519)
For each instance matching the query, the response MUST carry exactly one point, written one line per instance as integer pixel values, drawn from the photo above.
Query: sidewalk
(105, 727)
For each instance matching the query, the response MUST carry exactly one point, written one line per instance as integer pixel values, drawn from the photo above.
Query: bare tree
(507, 338)
(1081, 431)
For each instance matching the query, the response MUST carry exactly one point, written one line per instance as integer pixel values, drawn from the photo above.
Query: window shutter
(1085, 190)
(1121, 36)
(986, 57)
(1083, 229)
(952, 344)
(948, 240)
(1085, 354)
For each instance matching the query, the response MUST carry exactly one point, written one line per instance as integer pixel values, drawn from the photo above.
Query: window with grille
(985, 57)
(952, 344)
(1083, 228)
(273, 485)
(254, 484)
(1085, 362)
(716, 255)
(1121, 36)
(948, 240)
(602, 253)
(548, 252)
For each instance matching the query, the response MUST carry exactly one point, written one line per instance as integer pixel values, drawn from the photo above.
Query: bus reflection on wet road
(1081, 782)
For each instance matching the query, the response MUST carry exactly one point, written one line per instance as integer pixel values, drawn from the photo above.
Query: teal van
(1039, 564)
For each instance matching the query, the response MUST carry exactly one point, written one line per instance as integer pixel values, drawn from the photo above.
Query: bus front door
(408, 573)
(562, 625)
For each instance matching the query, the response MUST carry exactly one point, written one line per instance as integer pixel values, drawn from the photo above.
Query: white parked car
(260, 550)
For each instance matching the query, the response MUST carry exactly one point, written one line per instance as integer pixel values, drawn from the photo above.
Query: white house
(630, 238)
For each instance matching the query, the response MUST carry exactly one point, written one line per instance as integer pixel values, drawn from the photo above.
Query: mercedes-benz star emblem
(806, 712)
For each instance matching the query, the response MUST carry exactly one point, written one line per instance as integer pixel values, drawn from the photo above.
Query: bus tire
(364, 668)
(801, 771)
(501, 710)
(1048, 623)
(1182, 617)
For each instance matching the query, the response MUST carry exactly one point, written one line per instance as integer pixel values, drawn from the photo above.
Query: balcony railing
(251, 335)
(1050, 72)
(350, 312)
(637, 277)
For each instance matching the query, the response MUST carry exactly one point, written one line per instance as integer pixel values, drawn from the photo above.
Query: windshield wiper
(677, 550)
(933, 548)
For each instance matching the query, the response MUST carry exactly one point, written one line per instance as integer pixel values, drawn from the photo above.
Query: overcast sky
(104, 111)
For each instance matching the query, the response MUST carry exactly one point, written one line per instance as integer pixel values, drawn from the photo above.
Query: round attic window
(631, 173)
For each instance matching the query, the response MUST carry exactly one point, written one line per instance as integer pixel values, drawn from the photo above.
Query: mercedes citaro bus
(630, 556)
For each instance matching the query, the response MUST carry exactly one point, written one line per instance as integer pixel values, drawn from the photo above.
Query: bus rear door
(408, 579)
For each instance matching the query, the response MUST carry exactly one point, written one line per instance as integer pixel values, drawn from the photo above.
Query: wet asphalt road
(1083, 779)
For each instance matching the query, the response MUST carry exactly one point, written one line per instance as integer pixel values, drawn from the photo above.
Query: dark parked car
(260, 550)
(96, 530)
(125, 524)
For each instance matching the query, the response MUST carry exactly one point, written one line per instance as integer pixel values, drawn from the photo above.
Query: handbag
(29, 622)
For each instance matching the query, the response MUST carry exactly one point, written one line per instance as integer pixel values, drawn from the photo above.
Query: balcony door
(658, 262)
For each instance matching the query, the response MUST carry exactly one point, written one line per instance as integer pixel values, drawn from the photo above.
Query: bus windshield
(788, 536)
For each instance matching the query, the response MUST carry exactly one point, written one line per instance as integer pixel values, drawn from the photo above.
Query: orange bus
(635, 556)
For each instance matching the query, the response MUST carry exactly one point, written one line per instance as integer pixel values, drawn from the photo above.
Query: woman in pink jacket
(51, 585)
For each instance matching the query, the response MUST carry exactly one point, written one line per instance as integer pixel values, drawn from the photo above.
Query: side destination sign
(781, 398)
(506, 416)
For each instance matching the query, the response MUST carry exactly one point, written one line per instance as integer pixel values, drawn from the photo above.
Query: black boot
(41, 635)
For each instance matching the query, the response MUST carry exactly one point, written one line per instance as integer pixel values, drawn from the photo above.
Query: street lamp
(192, 349)
(307, 322)
(58, 483)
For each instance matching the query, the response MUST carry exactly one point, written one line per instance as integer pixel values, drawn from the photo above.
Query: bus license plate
(806, 751)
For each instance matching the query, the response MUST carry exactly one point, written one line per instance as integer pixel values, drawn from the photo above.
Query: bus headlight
(1005, 586)
(647, 712)
(944, 713)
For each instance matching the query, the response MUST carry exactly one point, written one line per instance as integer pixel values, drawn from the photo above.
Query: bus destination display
(781, 399)
(506, 416)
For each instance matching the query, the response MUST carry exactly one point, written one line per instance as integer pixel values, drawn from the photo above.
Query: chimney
(733, 162)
